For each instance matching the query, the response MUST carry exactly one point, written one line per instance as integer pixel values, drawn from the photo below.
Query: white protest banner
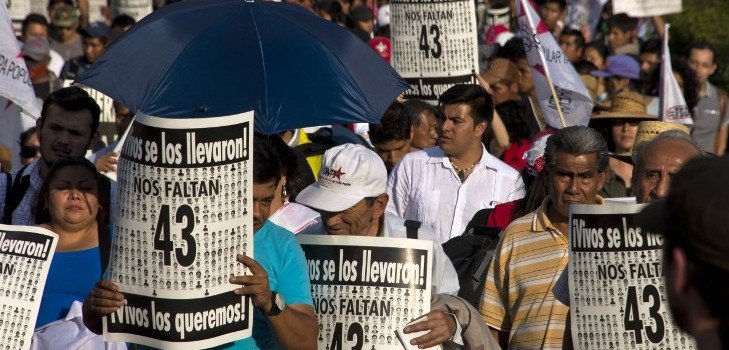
(107, 120)
(184, 213)
(647, 8)
(136, 9)
(15, 82)
(366, 288)
(553, 75)
(673, 106)
(19, 9)
(25, 259)
(434, 44)
(617, 284)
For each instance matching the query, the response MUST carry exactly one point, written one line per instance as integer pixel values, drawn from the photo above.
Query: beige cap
(648, 130)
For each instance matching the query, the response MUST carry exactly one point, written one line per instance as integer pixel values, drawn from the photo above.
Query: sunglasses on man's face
(29, 151)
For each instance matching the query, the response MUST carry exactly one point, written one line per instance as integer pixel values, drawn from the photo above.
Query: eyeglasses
(29, 151)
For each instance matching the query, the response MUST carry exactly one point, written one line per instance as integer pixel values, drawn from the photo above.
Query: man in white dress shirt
(444, 186)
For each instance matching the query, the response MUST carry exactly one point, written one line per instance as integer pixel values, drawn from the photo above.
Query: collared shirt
(707, 118)
(425, 187)
(518, 297)
(23, 214)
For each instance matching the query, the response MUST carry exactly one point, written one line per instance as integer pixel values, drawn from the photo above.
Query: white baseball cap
(348, 174)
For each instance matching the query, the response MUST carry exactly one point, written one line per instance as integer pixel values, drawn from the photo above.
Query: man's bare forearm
(295, 327)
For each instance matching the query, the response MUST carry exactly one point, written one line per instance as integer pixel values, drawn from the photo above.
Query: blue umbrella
(197, 58)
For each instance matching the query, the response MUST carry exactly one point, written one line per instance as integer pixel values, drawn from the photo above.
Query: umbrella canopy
(201, 58)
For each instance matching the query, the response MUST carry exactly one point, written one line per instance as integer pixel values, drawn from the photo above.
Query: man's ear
(380, 205)
(601, 175)
(481, 128)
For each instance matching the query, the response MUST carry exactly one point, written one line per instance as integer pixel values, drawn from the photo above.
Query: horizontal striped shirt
(517, 297)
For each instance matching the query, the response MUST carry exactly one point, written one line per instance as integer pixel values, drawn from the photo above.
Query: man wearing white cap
(351, 197)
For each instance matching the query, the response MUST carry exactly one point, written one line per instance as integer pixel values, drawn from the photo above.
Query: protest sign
(107, 120)
(184, 212)
(136, 9)
(616, 282)
(25, 258)
(647, 8)
(366, 288)
(434, 45)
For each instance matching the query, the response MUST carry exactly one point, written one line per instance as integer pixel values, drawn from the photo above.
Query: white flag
(673, 106)
(549, 63)
(15, 82)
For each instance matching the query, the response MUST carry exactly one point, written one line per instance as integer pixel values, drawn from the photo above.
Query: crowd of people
(482, 156)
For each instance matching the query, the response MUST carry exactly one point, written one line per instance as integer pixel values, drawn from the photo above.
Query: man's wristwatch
(277, 305)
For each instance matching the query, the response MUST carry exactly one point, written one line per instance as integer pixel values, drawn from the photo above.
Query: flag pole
(554, 96)
(524, 4)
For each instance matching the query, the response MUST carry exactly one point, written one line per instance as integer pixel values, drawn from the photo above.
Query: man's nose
(661, 189)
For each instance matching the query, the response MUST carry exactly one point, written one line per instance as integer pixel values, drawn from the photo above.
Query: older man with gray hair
(657, 160)
(533, 251)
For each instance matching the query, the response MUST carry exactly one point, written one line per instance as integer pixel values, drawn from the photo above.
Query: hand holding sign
(255, 285)
(442, 327)
(107, 162)
(104, 299)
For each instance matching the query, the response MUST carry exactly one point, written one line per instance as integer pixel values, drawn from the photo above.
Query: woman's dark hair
(296, 169)
(266, 162)
(584, 67)
(537, 188)
(514, 114)
(41, 212)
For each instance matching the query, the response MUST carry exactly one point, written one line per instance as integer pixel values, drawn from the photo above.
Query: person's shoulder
(273, 236)
(503, 169)
(520, 226)
(424, 155)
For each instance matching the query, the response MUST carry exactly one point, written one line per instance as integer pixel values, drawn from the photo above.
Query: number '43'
(162, 241)
(632, 321)
(424, 41)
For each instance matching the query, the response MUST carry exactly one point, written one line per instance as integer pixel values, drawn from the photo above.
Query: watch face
(280, 304)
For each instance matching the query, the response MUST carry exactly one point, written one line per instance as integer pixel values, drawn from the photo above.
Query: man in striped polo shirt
(518, 303)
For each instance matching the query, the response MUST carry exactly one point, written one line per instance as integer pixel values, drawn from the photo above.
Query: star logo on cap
(338, 174)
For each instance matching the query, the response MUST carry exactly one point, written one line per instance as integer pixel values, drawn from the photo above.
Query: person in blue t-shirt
(68, 204)
(279, 281)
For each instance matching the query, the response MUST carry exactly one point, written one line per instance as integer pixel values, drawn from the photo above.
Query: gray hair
(639, 149)
(577, 140)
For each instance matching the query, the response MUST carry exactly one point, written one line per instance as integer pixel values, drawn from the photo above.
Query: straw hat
(648, 130)
(626, 105)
